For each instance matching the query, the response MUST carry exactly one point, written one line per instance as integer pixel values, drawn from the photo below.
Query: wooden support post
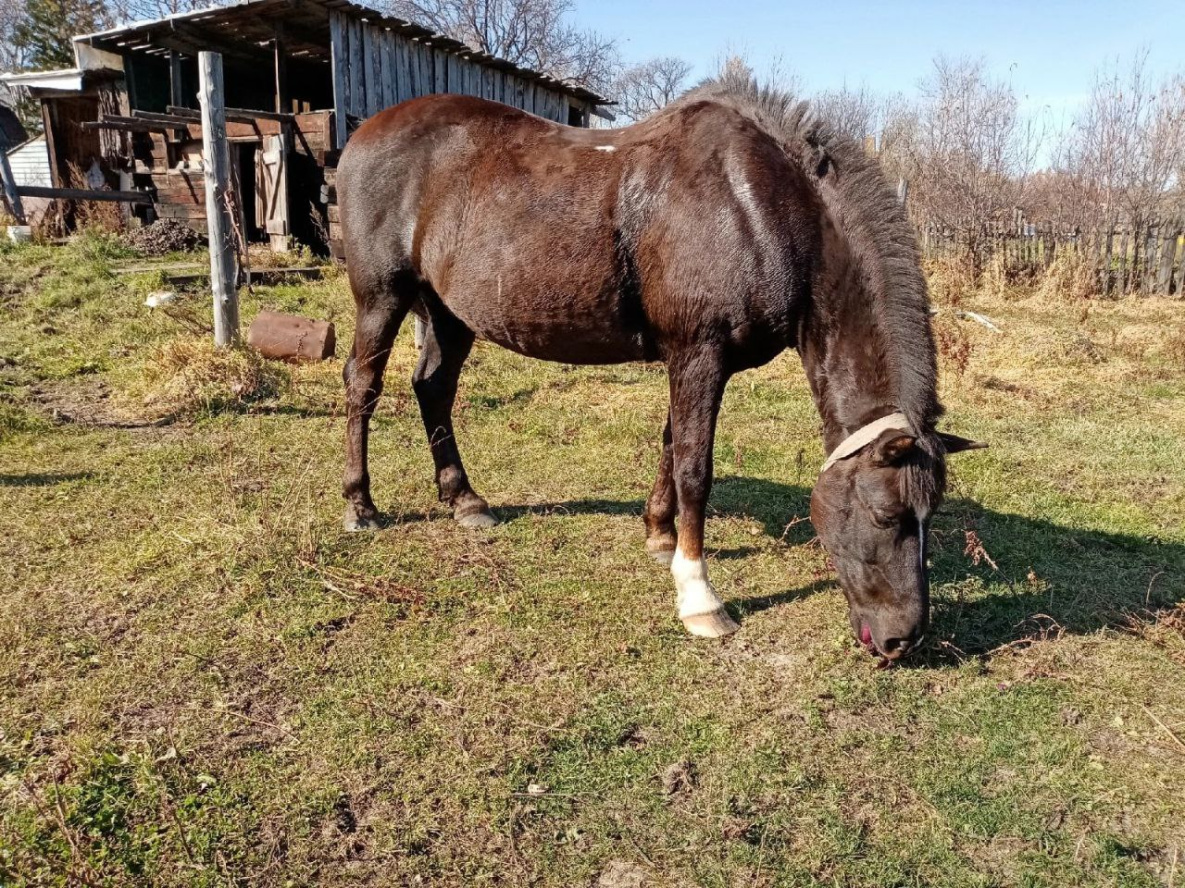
(47, 126)
(282, 101)
(130, 81)
(176, 94)
(11, 196)
(337, 55)
(219, 221)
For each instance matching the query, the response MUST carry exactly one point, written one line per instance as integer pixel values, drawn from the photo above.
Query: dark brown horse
(712, 237)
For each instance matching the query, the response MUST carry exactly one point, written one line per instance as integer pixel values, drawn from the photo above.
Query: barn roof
(252, 25)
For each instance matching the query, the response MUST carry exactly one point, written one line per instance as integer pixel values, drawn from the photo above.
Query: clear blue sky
(1049, 48)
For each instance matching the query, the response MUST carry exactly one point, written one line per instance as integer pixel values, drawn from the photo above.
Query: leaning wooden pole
(219, 223)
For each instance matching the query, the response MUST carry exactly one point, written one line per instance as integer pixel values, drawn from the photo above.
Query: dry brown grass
(1068, 278)
(950, 279)
(189, 375)
(955, 347)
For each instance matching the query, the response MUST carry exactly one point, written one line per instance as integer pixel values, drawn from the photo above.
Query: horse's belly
(561, 339)
(578, 325)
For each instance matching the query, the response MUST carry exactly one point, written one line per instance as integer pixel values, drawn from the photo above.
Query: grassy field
(203, 681)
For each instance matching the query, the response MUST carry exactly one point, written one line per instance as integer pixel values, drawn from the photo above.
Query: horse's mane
(878, 230)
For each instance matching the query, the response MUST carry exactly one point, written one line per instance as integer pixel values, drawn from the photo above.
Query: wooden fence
(1148, 259)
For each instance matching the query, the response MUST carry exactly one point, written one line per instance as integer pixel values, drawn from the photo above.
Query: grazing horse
(718, 233)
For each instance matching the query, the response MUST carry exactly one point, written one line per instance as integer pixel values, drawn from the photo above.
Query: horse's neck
(844, 360)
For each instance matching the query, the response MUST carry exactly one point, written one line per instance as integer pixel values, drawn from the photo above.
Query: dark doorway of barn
(245, 174)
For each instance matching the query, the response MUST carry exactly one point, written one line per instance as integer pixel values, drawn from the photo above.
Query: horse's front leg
(662, 505)
(697, 386)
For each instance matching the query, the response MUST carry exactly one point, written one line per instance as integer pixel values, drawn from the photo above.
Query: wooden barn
(299, 76)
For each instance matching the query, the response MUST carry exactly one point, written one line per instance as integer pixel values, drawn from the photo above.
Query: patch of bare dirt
(87, 402)
(679, 779)
(619, 874)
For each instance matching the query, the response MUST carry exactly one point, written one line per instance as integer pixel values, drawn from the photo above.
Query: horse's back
(571, 244)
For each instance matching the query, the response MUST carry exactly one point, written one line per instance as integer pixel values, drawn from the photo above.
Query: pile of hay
(189, 376)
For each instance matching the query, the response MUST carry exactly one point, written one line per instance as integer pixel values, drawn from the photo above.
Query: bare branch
(643, 89)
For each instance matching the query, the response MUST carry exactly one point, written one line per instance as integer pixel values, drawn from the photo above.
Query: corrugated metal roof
(305, 27)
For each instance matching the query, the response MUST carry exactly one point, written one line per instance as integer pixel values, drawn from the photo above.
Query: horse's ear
(955, 444)
(891, 447)
(823, 164)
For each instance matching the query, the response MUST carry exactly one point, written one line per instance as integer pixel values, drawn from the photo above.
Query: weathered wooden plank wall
(375, 67)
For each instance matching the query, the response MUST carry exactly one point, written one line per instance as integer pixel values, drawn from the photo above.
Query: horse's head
(871, 508)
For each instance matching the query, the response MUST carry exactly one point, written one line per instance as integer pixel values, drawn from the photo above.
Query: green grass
(204, 682)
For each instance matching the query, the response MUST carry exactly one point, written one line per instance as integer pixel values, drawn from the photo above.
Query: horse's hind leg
(381, 309)
(662, 505)
(446, 346)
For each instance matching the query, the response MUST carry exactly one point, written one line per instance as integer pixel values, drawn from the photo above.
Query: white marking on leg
(694, 594)
(608, 149)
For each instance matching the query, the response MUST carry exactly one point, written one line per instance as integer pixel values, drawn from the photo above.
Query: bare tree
(536, 34)
(642, 89)
(854, 113)
(124, 11)
(969, 152)
(12, 55)
(1125, 152)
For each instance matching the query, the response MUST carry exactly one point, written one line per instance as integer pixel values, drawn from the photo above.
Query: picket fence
(1148, 259)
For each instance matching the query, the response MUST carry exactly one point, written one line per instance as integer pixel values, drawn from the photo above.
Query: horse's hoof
(717, 624)
(353, 522)
(477, 520)
(662, 556)
(661, 549)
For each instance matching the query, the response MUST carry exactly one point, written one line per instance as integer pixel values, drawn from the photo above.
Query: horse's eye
(883, 519)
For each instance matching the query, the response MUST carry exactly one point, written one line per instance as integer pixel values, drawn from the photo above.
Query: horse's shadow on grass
(1048, 578)
(40, 479)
